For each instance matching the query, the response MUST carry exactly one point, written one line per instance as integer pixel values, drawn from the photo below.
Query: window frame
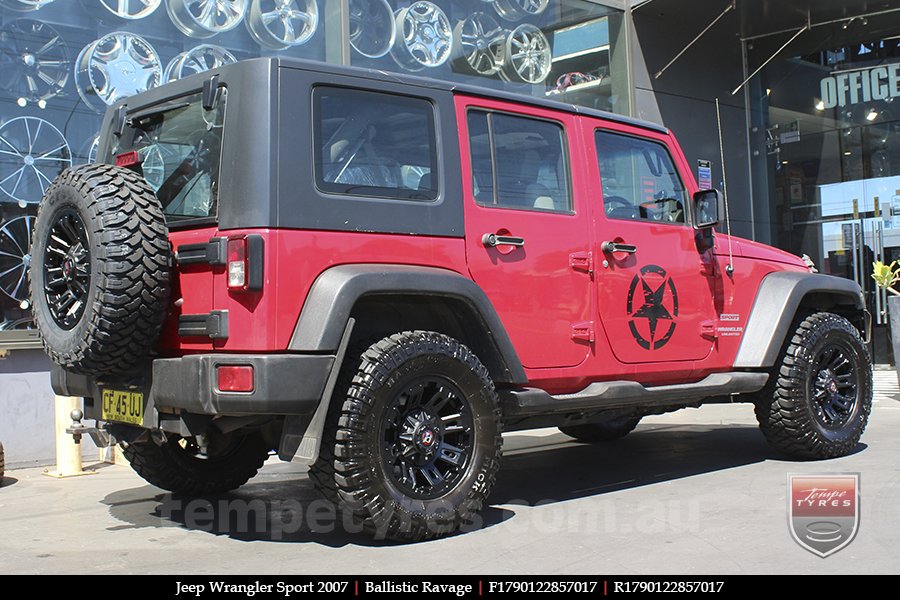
(566, 156)
(373, 192)
(688, 215)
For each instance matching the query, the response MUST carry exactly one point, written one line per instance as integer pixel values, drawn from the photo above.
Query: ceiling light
(871, 115)
(820, 105)
(847, 153)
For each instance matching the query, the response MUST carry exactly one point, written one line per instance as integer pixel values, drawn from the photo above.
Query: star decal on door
(652, 307)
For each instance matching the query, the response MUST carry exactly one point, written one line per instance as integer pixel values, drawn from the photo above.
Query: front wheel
(417, 439)
(818, 401)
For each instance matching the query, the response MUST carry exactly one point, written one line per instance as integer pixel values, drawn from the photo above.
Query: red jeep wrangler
(378, 274)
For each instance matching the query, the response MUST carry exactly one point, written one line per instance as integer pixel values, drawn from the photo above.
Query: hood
(755, 250)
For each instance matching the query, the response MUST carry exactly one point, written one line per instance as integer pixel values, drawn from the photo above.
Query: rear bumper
(284, 384)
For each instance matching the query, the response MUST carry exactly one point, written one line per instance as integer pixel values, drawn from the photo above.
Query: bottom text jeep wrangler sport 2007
(378, 274)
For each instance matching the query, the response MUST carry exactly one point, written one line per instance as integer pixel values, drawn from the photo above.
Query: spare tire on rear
(100, 269)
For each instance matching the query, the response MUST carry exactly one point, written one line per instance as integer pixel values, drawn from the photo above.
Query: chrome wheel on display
(280, 24)
(24, 5)
(116, 66)
(32, 153)
(527, 55)
(15, 257)
(34, 62)
(372, 28)
(130, 10)
(197, 60)
(203, 19)
(17, 324)
(482, 43)
(424, 37)
(89, 149)
(516, 10)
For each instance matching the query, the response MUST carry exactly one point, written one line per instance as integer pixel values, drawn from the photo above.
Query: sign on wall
(861, 85)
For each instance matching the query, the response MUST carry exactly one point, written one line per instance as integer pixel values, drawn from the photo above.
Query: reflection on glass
(180, 151)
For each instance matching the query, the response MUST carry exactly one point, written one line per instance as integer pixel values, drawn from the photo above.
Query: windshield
(179, 146)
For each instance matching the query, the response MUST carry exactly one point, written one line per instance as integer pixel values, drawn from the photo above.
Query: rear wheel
(818, 401)
(199, 466)
(2, 463)
(604, 431)
(417, 438)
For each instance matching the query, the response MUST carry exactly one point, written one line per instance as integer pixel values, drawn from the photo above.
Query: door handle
(492, 240)
(613, 247)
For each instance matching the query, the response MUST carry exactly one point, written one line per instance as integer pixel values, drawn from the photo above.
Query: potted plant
(886, 276)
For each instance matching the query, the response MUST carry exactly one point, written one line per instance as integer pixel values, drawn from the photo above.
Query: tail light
(245, 262)
(128, 159)
(237, 263)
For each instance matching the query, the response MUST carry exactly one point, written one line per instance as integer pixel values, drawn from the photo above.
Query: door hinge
(582, 261)
(708, 329)
(583, 331)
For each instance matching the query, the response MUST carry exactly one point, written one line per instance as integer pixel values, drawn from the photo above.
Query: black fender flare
(778, 299)
(336, 291)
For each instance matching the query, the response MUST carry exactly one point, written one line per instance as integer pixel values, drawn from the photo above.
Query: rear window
(180, 146)
(375, 144)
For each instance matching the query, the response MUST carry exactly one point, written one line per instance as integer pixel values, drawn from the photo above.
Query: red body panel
(264, 321)
(542, 298)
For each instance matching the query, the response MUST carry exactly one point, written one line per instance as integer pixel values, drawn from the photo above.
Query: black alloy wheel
(427, 438)
(67, 269)
(835, 386)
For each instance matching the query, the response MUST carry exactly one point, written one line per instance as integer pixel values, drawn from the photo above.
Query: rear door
(655, 291)
(527, 231)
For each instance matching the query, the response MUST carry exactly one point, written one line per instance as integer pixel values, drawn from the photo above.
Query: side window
(374, 144)
(639, 180)
(518, 162)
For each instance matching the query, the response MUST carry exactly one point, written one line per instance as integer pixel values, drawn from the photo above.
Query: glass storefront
(63, 61)
(831, 125)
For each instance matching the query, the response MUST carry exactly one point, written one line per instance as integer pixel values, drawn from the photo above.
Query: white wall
(26, 411)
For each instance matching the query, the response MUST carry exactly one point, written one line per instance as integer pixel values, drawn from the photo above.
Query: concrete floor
(693, 492)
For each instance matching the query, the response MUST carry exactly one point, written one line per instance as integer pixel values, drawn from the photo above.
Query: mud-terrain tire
(604, 431)
(100, 269)
(418, 436)
(179, 467)
(817, 402)
(321, 472)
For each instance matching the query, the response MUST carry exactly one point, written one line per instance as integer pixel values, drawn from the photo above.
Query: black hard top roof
(438, 84)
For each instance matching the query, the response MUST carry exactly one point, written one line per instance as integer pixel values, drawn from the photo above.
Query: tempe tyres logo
(823, 511)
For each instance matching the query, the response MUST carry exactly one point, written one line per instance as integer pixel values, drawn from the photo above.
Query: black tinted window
(518, 162)
(179, 145)
(639, 180)
(373, 144)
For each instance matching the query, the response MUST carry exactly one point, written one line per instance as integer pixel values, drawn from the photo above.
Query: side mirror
(708, 209)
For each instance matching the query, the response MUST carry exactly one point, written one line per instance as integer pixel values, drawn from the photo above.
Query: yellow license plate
(127, 407)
